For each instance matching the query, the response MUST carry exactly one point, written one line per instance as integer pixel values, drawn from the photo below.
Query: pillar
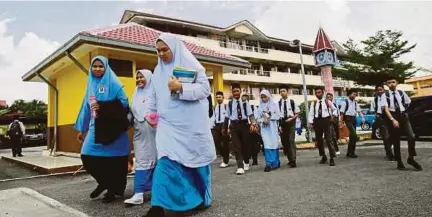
(217, 81)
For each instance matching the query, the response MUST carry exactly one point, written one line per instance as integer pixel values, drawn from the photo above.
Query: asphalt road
(367, 186)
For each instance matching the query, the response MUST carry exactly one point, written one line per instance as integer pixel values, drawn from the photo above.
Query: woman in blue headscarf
(185, 147)
(107, 163)
(268, 117)
(144, 139)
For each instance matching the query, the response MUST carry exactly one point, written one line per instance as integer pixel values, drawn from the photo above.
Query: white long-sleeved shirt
(21, 125)
(326, 112)
(398, 98)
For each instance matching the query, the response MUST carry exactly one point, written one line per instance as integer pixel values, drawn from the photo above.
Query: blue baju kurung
(185, 146)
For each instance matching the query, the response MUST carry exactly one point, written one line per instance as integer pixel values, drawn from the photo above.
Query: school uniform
(221, 140)
(381, 123)
(288, 110)
(320, 116)
(335, 127)
(349, 109)
(398, 102)
(255, 139)
(237, 116)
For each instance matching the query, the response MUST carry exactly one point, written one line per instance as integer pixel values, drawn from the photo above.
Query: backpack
(231, 109)
(347, 106)
(387, 93)
(291, 102)
(15, 129)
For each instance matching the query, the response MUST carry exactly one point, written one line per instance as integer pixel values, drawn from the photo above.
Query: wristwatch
(392, 119)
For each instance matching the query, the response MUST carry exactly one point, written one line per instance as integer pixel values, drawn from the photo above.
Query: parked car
(369, 117)
(420, 114)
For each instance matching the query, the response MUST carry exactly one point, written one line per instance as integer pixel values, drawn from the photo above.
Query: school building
(422, 85)
(238, 53)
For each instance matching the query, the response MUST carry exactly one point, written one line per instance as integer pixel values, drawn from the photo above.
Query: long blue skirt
(143, 180)
(179, 188)
(272, 158)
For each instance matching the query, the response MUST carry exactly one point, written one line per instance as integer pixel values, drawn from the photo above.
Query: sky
(31, 31)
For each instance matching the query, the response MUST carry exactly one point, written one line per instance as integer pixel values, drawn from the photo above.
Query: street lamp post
(298, 42)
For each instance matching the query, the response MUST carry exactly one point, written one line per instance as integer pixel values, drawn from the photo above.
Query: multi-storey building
(273, 61)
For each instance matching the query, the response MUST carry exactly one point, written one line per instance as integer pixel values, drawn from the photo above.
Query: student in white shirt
(378, 108)
(348, 112)
(334, 124)
(221, 139)
(396, 104)
(289, 111)
(320, 113)
(16, 132)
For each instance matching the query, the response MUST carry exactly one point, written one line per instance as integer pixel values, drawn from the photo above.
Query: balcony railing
(243, 47)
(252, 72)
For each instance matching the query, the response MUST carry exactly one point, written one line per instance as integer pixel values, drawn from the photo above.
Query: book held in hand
(184, 76)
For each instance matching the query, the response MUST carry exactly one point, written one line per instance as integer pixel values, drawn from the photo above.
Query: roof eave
(93, 39)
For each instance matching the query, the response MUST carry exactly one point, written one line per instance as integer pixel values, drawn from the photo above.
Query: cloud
(17, 56)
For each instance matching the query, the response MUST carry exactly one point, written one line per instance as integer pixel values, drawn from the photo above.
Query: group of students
(173, 150)
(270, 120)
(174, 153)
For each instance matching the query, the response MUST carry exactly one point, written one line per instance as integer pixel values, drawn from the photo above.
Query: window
(122, 68)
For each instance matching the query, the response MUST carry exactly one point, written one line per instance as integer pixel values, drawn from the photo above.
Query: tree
(34, 108)
(377, 59)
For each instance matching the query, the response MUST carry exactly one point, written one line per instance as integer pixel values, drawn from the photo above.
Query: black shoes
(155, 211)
(352, 155)
(98, 191)
(400, 165)
(414, 163)
(20, 155)
(255, 163)
(108, 198)
(323, 160)
(292, 164)
(267, 169)
(332, 162)
(391, 158)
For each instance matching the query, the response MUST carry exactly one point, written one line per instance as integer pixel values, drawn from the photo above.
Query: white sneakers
(240, 171)
(338, 153)
(223, 165)
(136, 199)
(246, 166)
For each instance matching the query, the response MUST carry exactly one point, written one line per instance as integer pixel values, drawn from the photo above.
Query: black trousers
(240, 136)
(109, 172)
(322, 128)
(404, 126)
(350, 122)
(16, 145)
(381, 123)
(288, 140)
(221, 142)
(335, 132)
(255, 146)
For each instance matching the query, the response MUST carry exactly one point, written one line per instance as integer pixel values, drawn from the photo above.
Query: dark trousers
(322, 128)
(16, 145)
(221, 142)
(395, 133)
(288, 140)
(350, 122)
(335, 133)
(381, 123)
(240, 137)
(109, 172)
(255, 140)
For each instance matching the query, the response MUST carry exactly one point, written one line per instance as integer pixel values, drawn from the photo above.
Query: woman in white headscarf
(268, 117)
(144, 139)
(185, 147)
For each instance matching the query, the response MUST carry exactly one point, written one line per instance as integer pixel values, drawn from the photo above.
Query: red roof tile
(322, 41)
(132, 32)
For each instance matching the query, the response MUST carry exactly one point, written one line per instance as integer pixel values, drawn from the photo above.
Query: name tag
(101, 89)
